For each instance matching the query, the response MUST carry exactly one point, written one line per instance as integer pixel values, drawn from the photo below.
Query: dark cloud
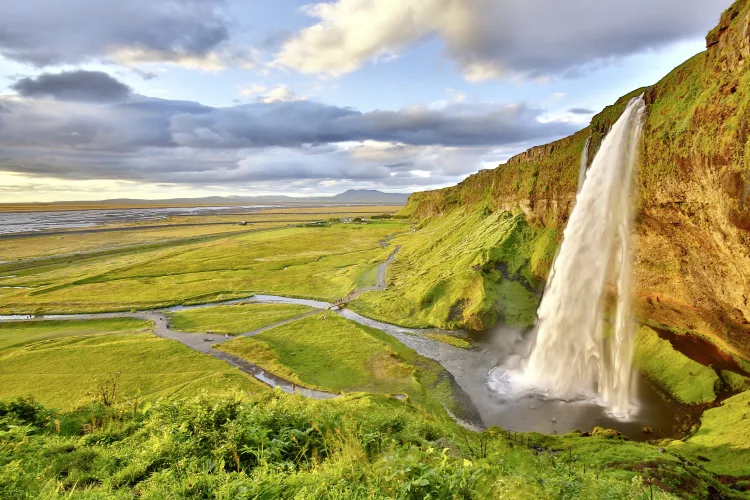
(87, 86)
(581, 111)
(49, 32)
(158, 140)
(290, 124)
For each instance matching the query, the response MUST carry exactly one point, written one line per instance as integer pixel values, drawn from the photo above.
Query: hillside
(693, 218)
(351, 196)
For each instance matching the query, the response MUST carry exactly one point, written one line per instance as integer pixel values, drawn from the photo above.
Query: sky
(155, 99)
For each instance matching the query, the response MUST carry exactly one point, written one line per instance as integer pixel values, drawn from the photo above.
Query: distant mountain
(352, 196)
(371, 196)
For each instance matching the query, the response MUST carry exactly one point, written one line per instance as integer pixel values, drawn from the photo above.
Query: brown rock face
(729, 43)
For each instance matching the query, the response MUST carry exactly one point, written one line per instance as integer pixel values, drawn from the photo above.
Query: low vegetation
(234, 319)
(679, 376)
(280, 446)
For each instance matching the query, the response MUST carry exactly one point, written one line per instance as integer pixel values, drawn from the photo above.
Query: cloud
(581, 111)
(268, 143)
(193, 33)
(281, 93)
(146, 75)
(489, 39)
(224, 56)
(79, 85)
(253, 89)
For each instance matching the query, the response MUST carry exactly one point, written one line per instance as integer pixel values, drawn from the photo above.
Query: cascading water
(578, 352)
(584, 164)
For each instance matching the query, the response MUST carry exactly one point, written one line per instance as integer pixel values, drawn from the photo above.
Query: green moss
(684, 379)
(723, 437)
(735, 382)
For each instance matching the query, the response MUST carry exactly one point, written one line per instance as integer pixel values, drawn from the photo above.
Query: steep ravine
(693, 194)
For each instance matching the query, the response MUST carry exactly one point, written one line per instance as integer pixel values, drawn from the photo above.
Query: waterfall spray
(579, 352)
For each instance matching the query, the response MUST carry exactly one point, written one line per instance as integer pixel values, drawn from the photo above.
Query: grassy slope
(322, 263)
(281, 446)
(336, 354)
(723, 438)
(686, 380)
(59, 362)
(467, 268)
(234, 319)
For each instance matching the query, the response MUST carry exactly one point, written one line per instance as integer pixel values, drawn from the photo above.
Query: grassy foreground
(62, 362)
(280, 446)
(234, 319)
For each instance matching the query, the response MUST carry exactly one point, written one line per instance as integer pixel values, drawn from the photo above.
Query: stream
(470, 370)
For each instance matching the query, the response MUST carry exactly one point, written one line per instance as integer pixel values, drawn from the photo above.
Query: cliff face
(693, 189)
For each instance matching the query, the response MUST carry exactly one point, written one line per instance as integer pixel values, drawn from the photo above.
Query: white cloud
(490, 39)
(282, 93)
(225, 56)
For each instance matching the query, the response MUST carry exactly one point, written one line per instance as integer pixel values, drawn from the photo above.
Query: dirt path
(380, 283)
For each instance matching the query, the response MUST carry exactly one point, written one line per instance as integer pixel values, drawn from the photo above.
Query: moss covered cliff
(693, 195)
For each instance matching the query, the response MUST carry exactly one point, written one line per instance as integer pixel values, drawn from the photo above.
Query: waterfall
(580, 352)
(584, 164)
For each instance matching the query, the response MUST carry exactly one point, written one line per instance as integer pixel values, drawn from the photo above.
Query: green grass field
(684, 379)
(234, 319)
(174, 228)
(465, 269)
(61, 363)
(322, 263)
(327, 352)
(335, 354)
